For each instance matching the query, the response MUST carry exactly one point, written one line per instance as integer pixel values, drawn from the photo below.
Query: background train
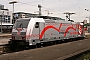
(34, 31)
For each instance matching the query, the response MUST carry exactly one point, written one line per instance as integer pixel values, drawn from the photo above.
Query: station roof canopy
(6, 24)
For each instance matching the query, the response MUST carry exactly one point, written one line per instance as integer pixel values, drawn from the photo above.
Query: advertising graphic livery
(34, 31)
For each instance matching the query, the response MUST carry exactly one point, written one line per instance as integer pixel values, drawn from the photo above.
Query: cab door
(41, 30)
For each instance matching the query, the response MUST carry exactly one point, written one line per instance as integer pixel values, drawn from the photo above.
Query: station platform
(5, 35)
(4, 41)
(4, 38)
(87, 33)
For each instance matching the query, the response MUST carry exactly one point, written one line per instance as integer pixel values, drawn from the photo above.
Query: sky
(56, 7)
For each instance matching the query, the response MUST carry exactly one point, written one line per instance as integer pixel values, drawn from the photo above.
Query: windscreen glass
(23, 23)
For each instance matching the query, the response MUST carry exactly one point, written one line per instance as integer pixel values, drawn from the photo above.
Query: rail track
(64, 47)
(6, 48)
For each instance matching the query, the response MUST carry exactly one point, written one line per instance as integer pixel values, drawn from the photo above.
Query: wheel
(38, 45)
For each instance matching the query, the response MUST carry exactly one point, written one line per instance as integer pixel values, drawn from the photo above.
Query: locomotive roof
(50, 17)
(21, 19)
(48, 20)
(62, 21)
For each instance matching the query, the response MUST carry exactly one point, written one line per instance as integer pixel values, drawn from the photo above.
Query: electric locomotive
(33, 31)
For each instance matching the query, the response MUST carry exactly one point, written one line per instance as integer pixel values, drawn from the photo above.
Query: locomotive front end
(19, 32)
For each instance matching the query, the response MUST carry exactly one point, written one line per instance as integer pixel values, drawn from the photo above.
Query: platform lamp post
(39, 6)
(1, 20)
(13, 2)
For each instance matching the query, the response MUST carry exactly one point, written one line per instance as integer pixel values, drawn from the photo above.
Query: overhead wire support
(36, 6)
(27, 4)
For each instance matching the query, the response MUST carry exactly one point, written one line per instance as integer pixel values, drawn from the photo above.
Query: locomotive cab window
(37, 25)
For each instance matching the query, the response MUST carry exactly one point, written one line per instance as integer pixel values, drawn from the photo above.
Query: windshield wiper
(21, 25)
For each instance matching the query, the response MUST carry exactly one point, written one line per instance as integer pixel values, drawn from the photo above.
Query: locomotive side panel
(51, 32)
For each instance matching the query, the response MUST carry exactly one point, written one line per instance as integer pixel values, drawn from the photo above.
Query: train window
(21, 23)
(37, 25)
